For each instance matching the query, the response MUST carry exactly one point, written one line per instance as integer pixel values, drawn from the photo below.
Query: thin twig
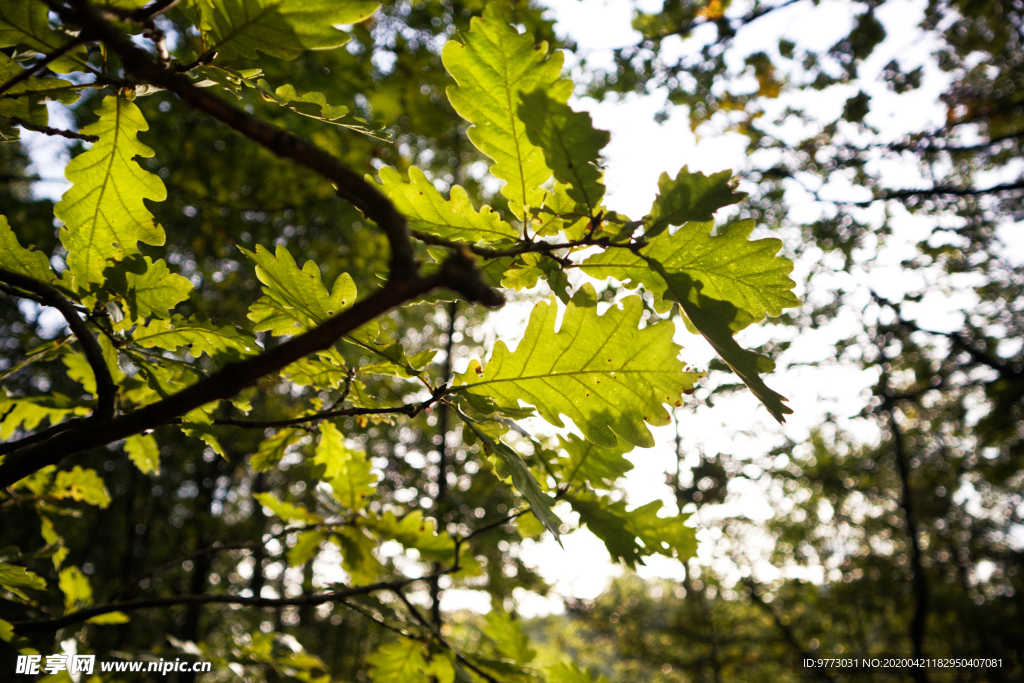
(46, 130)
(106, 390)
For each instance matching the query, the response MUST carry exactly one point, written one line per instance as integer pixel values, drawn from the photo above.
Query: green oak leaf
(347, 471)
(294, 300)
(109, 619)
(81, 485)
(508, 637)
(631, 535)
(29, 411)
(689, 197)
(571, 144)
(26, 101)
(18, 579)
(306, 546)
(156, 290)
(103, 212)
(219, 342)
(511, 465)
(18, 259)
(280, 28)
(588, 462)
(289, 512)
(75, 587)
(603, 372)
(414, 532)
(571, 673)
(26, 22)
(144, 452)
(401, 661)
(492, 67)
(272, 449)
(723, 283)
(396, 362)
(727, 266)
(454, 219)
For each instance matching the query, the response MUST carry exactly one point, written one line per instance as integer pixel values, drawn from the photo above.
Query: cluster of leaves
(143, 369)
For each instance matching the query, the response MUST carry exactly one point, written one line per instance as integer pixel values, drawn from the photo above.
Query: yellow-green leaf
(75, 587)
(603, 372)
(289, 512)
(156, 290)
(689, 197)
(722, 282)
(401, 661)
(453, 219)
(295, 300)
(571, 144)
(492, 67)
(280, 28)
(81, 485)
(104, 214)
(109, 619)
(144, 452)
(18, 579)
(347, 471)
(18, 259)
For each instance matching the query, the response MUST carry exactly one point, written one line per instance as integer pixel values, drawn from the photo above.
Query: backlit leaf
(601, 371)
(75, 587)
(81, 485)
(289, 512)
(199, 336)
(144, 452)
(492, 67)
(429, 212)
(280, 28)
(18, 259)
(689, 197)
(103, 212)
(157, 290)
(723, 283)
(294, 300)
(511, 465)
(571, 144)
(588, 462)
(401, 661)
(347, 471)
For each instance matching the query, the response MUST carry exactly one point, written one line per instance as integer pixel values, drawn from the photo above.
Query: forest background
(880, 141)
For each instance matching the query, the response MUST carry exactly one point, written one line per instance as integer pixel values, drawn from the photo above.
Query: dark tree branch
(350, 184)
(106, 390)
(939, 191)
(921, 591)
(77, 617)
(440, 639)
(457, 273)
(957, 341)
(46, 130)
